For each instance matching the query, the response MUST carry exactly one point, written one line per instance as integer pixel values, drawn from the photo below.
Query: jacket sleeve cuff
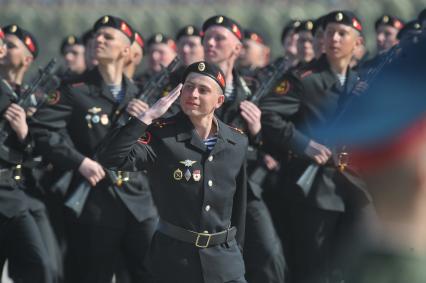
(299, 142)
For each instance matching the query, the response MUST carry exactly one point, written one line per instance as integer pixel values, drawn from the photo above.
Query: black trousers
(94, 251)
(314, 239)
(21, 243)
(40, 215)
(239, 280)
(263, 254)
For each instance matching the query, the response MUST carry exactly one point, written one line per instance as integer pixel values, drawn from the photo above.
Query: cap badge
(71, 40)
(13, 29)
(201, 67)
(158, 38)
(309, 25)
(385, 19)
(339, 17)
(219, 20)
(105, 20)
(190, 30)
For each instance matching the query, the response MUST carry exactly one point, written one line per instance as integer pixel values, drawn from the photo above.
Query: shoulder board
(237, 130)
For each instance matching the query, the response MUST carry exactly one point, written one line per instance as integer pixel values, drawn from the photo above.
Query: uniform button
(210, 183)
(210, 158)
(207, 207)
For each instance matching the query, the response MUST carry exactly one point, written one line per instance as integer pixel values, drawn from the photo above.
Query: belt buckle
(200, 236)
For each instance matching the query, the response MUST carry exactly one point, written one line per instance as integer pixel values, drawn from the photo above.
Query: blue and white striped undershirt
(210, 142)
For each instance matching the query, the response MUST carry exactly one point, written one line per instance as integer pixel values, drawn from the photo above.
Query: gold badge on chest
(178, 174)
(94, 117)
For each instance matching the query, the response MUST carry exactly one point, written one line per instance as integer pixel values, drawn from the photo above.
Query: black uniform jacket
(301, 103)
(193, 188)
(13, 201)
(84, 112)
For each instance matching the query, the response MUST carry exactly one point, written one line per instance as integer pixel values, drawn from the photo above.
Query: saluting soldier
(196, 165)
(315, 219)
(21, 242)
(119, 214)
(222, 46)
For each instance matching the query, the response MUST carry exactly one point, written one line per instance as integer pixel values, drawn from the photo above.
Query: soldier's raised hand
(17, 119)
(161, 106)
(136, 107)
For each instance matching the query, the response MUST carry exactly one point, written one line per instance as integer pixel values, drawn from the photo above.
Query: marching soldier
(119, 214)
(222, 46)
(189, 45)
(289, 38)
(318, 42)
(196, 165)
(388, 151)
(72, 50)
(316, 217)
(89, 49)
(135, 56)
(255, 54)
(305, 47)
(387, 29)
(21, 241)
(161, 52)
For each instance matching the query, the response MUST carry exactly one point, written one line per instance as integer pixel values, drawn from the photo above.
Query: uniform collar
(327, 74)
(186, 131)
(103, 89)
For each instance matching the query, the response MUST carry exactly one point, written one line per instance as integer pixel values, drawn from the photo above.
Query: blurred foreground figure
(389, 151)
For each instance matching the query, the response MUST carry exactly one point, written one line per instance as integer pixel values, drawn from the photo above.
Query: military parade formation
(216, 164)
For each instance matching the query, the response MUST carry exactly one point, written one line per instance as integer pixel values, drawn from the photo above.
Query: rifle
(42, 85)
(272, 73)
(158, 82)
(307, 178)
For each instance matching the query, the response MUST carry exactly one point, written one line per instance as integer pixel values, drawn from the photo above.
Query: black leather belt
(200, 240)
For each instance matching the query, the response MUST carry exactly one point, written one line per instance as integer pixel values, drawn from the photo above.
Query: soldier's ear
(28, 59)
(220, 100)
(238, 48)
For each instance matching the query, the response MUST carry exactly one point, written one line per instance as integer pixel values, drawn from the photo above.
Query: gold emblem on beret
(385, 19)
(13, 29)
(158, 38)
(190, 30)
(219, 20)
(105, 20)
(71, 40)
(309, 25)
(201, 67)
(339, 17)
